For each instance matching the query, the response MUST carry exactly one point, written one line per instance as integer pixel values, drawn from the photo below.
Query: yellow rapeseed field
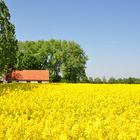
(69, 112)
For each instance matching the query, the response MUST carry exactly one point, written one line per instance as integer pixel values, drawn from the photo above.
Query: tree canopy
(65, 60)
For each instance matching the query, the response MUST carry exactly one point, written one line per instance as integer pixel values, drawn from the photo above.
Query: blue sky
(108, 30)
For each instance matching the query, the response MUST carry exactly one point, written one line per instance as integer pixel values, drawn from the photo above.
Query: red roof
(29, 75)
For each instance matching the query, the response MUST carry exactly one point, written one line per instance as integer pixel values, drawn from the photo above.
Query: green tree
(98, 80)
(74, 63)
(8, 43)
(63, 59)
(131, 80)
(112, 80)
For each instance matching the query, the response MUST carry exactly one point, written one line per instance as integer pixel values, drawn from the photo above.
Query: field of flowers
(69, 112)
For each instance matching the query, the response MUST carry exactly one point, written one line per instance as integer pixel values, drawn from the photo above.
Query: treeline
(112, 80)
(65, 60)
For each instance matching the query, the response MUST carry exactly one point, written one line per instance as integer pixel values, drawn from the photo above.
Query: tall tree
(8, 43)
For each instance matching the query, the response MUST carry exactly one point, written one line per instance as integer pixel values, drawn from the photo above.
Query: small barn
(24, 76)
